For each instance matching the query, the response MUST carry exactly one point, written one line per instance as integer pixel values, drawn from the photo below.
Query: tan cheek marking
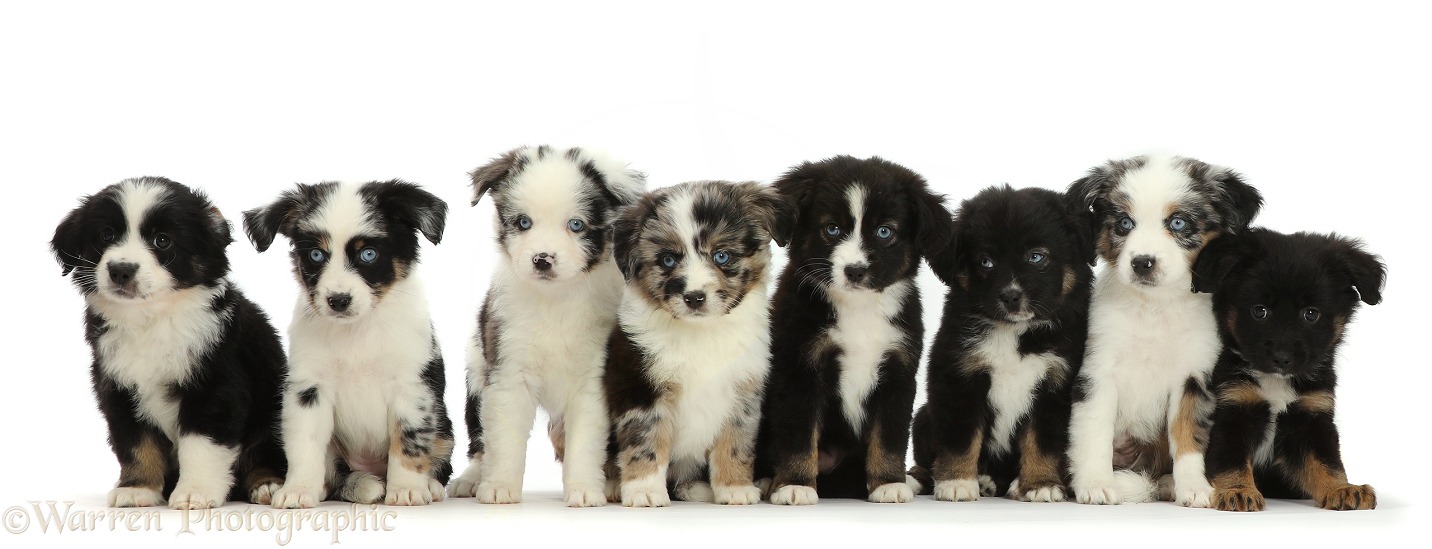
(1069, 279)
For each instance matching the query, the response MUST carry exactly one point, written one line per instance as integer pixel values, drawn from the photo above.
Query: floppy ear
(487, 176)
(1081, 222)
(797, 185)
(1087, 191)
(68, 242)
(1217, 259)
(263, 224)
(418, 208)
(1238, 202)
(623, 185)
(944, 261)
(220, 226)
(772, 210)
(1368, 272)
(626, 236)
(933, 225)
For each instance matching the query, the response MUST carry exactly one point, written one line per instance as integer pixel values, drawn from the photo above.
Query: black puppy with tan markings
(1282, 303)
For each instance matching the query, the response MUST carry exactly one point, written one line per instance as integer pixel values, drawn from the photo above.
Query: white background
(1323, 107)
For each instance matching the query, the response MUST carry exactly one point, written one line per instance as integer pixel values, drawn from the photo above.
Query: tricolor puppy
(186, 369)
(847, 332)
(363, 415)
(1009, 346)
(1282, 303)
(1140, 403)
(688, 359)
(543, 328)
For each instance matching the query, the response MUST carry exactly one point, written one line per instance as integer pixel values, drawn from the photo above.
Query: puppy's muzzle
(695, 300)
(857, 274)
(123, 275)
(339, 302)
(543, 263)
(1145, 269)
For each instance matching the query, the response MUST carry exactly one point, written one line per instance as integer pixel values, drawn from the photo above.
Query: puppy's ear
(1217, 260)
(1367, 271)
(263, 224)
(1237, 202)
(622, 185)
(797, 185)
(69, 240)
(414, 206)
(934, 227)
(626, 236)
(1081, 223)
(944, 261)
(500, 169)
(1086, 192)
(772, 210)
(220, 225)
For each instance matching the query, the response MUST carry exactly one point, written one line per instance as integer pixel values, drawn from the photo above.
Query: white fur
(1145, 342)
(957, 490)
(1013, 378)
(792, 494)
(895, 492)
(134, 497)
(1278, 391)
(343, 216)
(851, 250)
(135, 199)
(206, 472)
(865, 329)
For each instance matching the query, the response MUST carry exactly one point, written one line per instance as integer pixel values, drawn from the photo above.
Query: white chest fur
(1279, 393)
(1013, 379)
(708, 361)
(149, 346)
(864, 331)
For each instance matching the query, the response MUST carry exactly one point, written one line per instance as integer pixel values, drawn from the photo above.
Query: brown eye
(1260, 312)
(162, 241)
(1311, 315)
(106, 234)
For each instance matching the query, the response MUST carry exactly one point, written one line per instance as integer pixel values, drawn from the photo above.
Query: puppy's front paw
(263, 493)
(1349, 498)
(1040, 491)
(197, 495)
(633, 497)
(135, 497)
(1098, 493)
(794, 494)
(988, 488)
(738, 495)
(405, 494)
(967, 489)
(1238, 498)
(499, 493)
(895, 492)
(585, 496)
(1200, 494)
(297, 497)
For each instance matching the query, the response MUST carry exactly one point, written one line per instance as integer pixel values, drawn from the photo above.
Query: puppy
(186, 369)
(362, 406)
(543, 329)
(1140, 401)
(847, 332)
(1282, 303)
(688, 360)
(1008, 349)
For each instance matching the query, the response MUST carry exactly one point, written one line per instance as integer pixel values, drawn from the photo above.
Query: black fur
(998, 233)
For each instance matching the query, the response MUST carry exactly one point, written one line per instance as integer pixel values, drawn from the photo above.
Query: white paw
(1047, 494)
(792, 494)
(297, 497)
(196, 497)
(695, 491)
(614, 490)
(1199, 495)
(913, 484)
(406, 494)
(957, 490)
(640, 497)
(494, 492)
(464, 486)
(435, 489)
(988, 488)
(738, 495)
(1098, 493)
(895, 492)
(585, 496)
(263, 493)
(764, 485)
(135, 497)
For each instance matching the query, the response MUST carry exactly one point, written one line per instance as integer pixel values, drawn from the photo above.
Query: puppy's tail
(1136, 487)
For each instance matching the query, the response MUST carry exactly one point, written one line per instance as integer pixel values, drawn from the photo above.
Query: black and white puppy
(1282, 303)
(1140, 403)
(847, 332)
(1010, 344)
(543, 328)
(688, 360)
(363, 414)
(187, 371)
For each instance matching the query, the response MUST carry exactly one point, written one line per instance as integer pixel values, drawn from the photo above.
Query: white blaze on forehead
(548, 191)
(343, 216)
(850, 251)
(136, 198)
(682, 206)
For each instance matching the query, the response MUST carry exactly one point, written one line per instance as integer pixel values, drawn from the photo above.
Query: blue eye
(317, 256)
(668, 261)
(987, 263)
(1177, 223)
(368, 255)
(721, 257)
(1126, 223)
(524, 222)
(576, 225)
(1036, 257)
(832, 230)
(883, 232)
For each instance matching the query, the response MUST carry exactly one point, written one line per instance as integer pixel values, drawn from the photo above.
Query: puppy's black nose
(856, 272)
(122, 273)
(694, 299)
(1282, 358)
(1010, 298)
(1144, 265)
(543, 261)
(339, 302)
